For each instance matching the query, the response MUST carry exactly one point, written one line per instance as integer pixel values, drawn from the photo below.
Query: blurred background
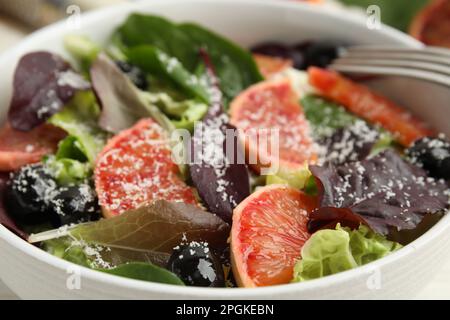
(426, 20)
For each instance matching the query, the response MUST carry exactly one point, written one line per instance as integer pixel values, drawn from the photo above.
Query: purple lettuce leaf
(384, 192)
(5, 220)
(217, 167)
(221, 182)
(43, 83)
(351, 143)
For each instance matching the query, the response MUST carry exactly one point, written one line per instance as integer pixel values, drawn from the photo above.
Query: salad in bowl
(176, 156)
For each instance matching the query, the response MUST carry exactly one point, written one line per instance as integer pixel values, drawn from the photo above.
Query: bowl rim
(215, 293)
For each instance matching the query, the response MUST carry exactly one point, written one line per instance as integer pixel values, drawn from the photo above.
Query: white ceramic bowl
(32, 273)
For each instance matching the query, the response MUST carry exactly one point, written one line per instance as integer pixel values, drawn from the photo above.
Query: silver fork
(427, 63)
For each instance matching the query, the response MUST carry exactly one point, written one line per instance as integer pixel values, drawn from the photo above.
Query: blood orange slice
(267, 109)
(19, 148)
(432, 24)
(368, 105)
(269, 230)
(135, 168)
(269, 66)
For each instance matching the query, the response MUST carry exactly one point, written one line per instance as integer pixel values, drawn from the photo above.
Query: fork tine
(425, 63)
(393, 71)
(429, 50)
(408, 64)
(399, 56)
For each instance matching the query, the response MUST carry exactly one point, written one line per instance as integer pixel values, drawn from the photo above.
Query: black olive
(299, 60)
(74, 204)
(298, 55)
(278, 50)
(302, 46)
(303, 54)
(136, 75)
(196, 265)
(27, 194)
(33, 197)
(273, 49)
(433, 154)
(320, 54)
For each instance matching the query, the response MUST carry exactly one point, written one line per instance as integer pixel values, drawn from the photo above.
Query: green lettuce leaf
(145, 272)
(183, 114)
(385, 141)
(332, 251)
(64, 248)
(79, 120)
(69, 165)
(69, 171)
(94, 255)
(368, 246)
(86, 256)
(83, 49)
(194, 113)
(69, 148)
(324, 116)
(296, 178)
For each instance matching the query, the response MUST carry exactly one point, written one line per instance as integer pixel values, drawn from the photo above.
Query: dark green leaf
(183, 114)
(79, 119)
(155, 61)
(70, 149)
(70, 163)
(75, 252)
(325, 116)
(233, 65)
(145, 272)
(328, 120)
(154, 30)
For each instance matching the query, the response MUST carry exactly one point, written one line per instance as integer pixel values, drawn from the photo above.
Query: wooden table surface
(439, 288)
